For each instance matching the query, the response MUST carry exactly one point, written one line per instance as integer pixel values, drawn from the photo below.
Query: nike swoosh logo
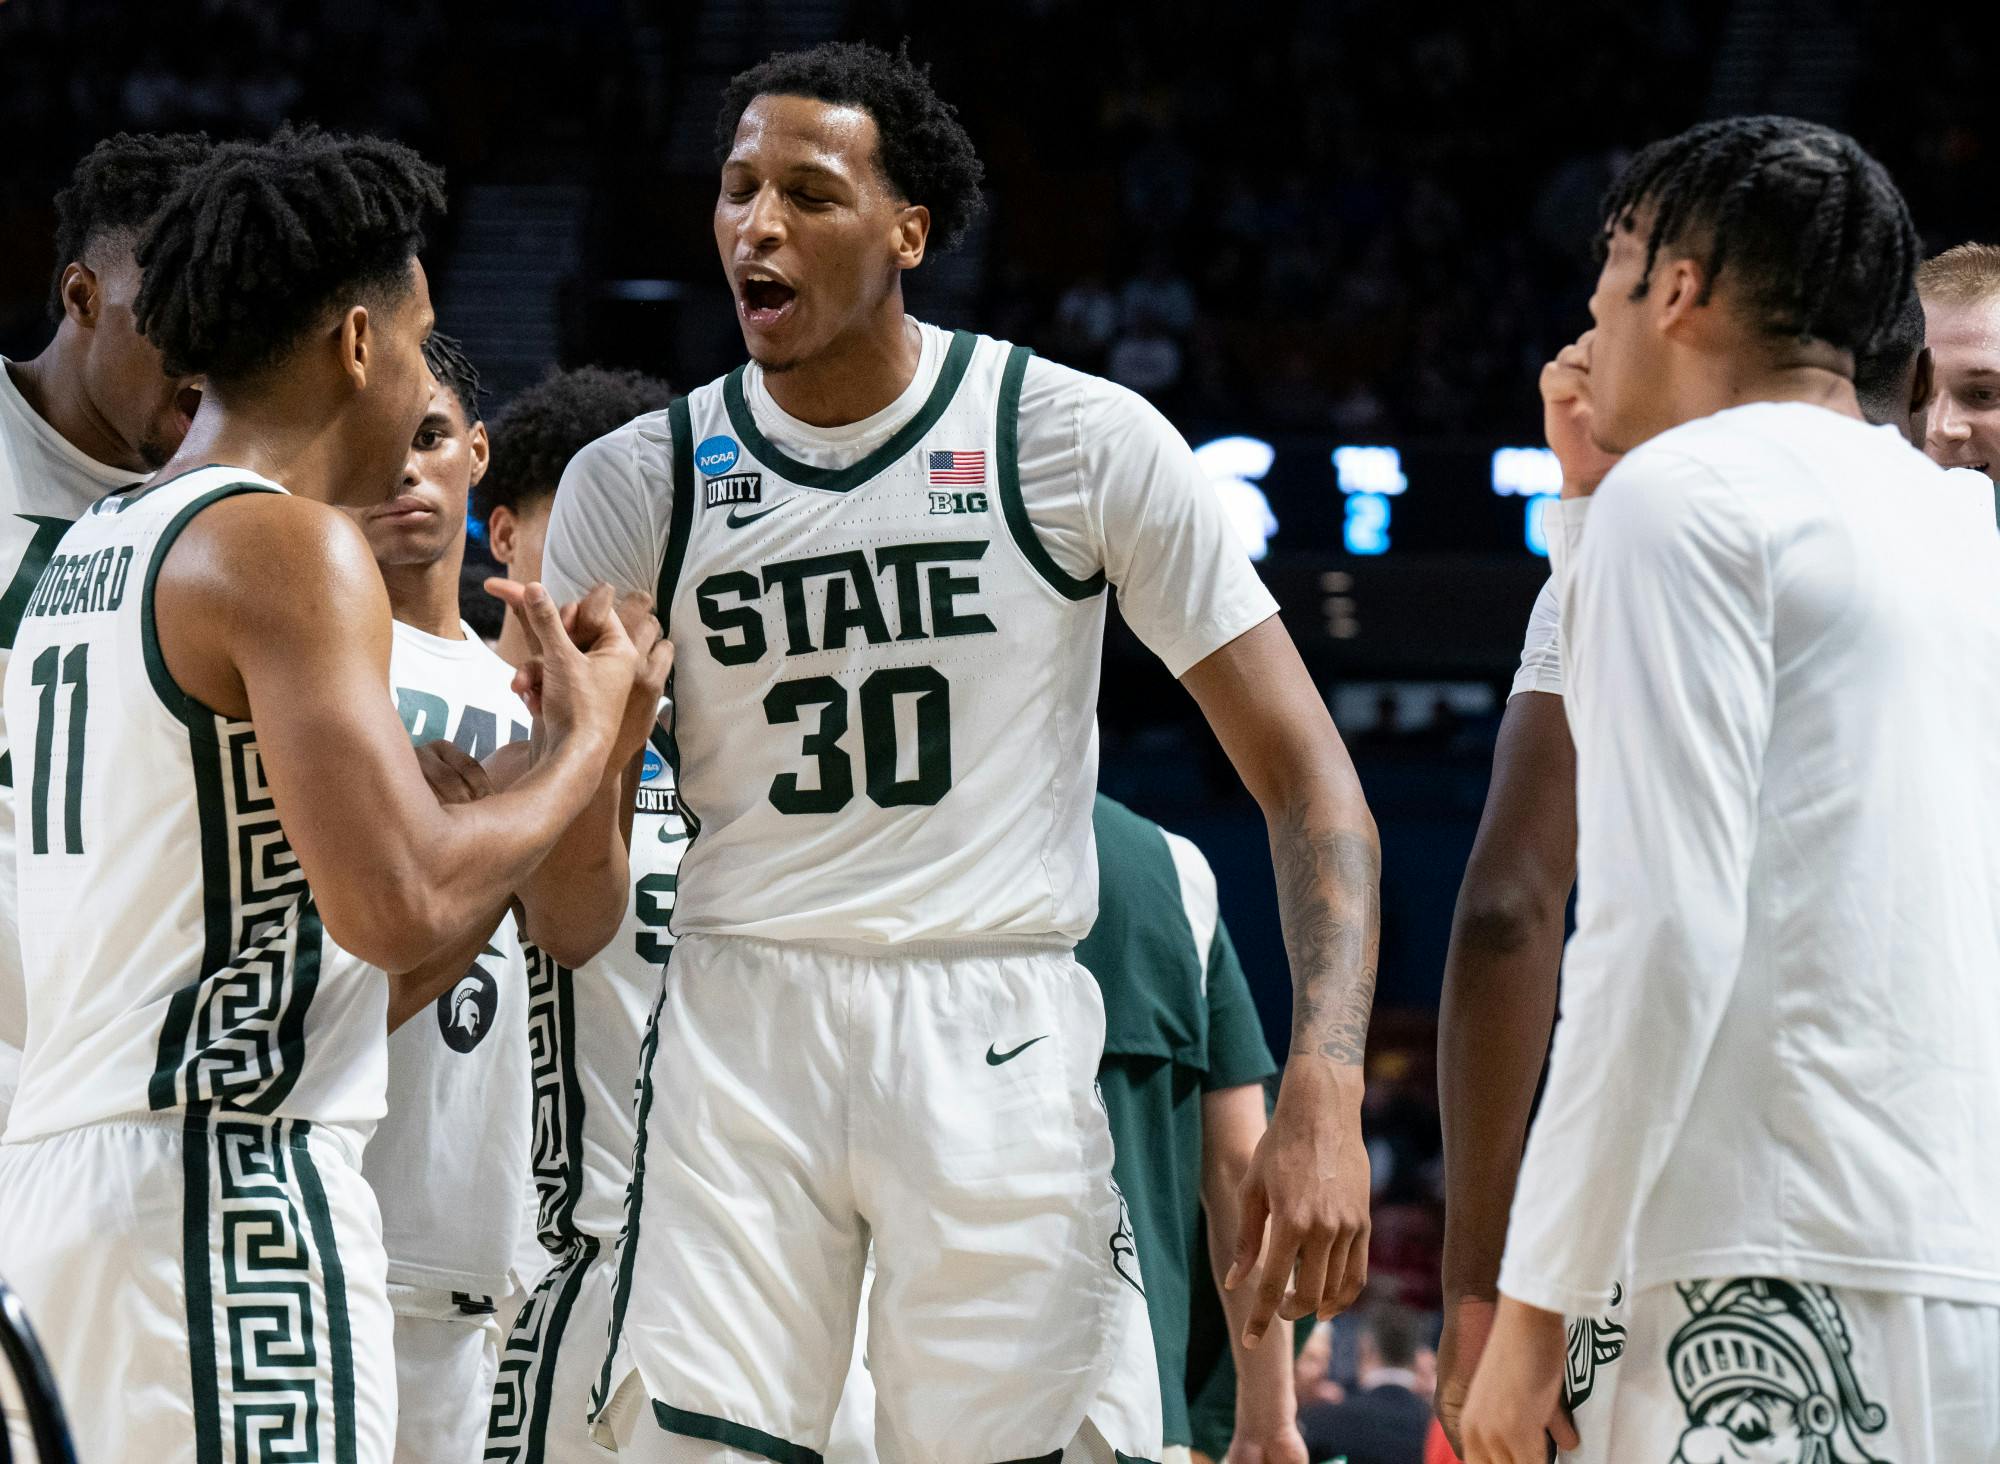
(994, 1057)
(739, 519)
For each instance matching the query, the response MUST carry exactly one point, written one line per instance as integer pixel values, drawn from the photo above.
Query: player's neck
(52, 386)
(1724, 380)
(425, 596)
(275, 435)
(856, 376)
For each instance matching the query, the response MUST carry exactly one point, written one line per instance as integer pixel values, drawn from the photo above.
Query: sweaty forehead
(1968, 325)
(782, 131)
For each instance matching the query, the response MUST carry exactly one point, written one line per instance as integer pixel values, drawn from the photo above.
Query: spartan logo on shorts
(1765, 1369)
(1594, 1342)
(465, 1013)
(1125, 1245)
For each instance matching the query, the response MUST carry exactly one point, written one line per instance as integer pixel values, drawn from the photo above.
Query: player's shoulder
(1050, 386)
(641, 448)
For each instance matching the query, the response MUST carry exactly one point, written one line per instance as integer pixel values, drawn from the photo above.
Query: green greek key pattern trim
(635, 1193)
(733, 1435)
(524, 1389)
(555, 1157)
(839, 480)
(266, 1297)
(235, 1036)
(1007, 468)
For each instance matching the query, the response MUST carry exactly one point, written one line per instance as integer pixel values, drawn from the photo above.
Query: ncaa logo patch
(465, 1013)
(652, 765)
(715, 454)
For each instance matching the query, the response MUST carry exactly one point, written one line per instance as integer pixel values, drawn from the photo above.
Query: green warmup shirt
(1178, 1023)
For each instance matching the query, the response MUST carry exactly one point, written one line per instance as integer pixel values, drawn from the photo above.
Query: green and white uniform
(889, 636)
(1179, 1023)
(181, 1199)
(45, 485)
(455, 1141)
(589, 1025)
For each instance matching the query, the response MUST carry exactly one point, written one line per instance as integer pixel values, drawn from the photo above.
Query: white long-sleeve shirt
(1780, 1041)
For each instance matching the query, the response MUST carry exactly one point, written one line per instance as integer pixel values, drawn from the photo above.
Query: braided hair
(923, 149)
(454, 371)
(549, 423)
(257, 244)
(116, 188)
(1816, 239)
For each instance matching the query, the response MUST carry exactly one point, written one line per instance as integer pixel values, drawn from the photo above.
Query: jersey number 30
(834, 787)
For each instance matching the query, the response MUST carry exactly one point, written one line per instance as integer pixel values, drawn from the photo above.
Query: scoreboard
(1392, 559)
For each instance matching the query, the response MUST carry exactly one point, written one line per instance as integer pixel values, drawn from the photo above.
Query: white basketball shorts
(798, 1100)
(208, 1291)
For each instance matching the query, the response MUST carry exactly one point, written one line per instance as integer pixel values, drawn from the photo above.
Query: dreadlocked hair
(923, 149)
(1817, 239)
(254, 247)
(454, 371)
(545, 426)
(117, 187)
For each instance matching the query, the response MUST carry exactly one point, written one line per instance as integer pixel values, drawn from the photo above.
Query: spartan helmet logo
(465, 1013)
(1765, 1369)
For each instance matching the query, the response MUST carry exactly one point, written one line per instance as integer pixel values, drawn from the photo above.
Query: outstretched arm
(1310, 1174)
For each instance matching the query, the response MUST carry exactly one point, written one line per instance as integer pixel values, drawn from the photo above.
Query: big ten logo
(958, 503)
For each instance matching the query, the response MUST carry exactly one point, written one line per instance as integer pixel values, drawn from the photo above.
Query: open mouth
(187, 401)
(766, 301)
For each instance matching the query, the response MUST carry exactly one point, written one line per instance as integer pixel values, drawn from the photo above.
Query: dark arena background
(1333, 241)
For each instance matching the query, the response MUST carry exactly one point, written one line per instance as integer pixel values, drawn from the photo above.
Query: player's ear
(1676, 291)
(500, 528)
(477, 444)
(913, 232)
(80, 293)
(357, 345)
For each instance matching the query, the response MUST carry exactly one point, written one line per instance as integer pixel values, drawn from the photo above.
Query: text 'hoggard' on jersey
(897, 592)
(83, 584)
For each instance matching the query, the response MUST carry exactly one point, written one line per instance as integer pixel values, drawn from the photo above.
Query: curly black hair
(255, 245)
(924, 151)
(545, 426)
(117, 187)
(455, 371)
(1811, 227)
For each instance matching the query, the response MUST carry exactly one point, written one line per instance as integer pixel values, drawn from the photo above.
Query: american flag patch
(958, 467)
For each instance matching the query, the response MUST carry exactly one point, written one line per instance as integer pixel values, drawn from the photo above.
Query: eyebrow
(435, 422)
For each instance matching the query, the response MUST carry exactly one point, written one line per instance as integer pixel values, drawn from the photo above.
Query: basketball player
(94, 412)
(1961, 294)
(217, 789)
(545, 426)
(456, 1131)
(1500, 981)
(588, 1020)
(886, 547)
(1770, 1090)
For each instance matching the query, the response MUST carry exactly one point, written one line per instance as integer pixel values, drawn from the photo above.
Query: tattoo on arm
(1329, 902)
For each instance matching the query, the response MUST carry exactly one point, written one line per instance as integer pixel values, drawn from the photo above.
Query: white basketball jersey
(456, 1134)
(886, 688)
(174, 959)
(589, 1025)
(45, 486)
